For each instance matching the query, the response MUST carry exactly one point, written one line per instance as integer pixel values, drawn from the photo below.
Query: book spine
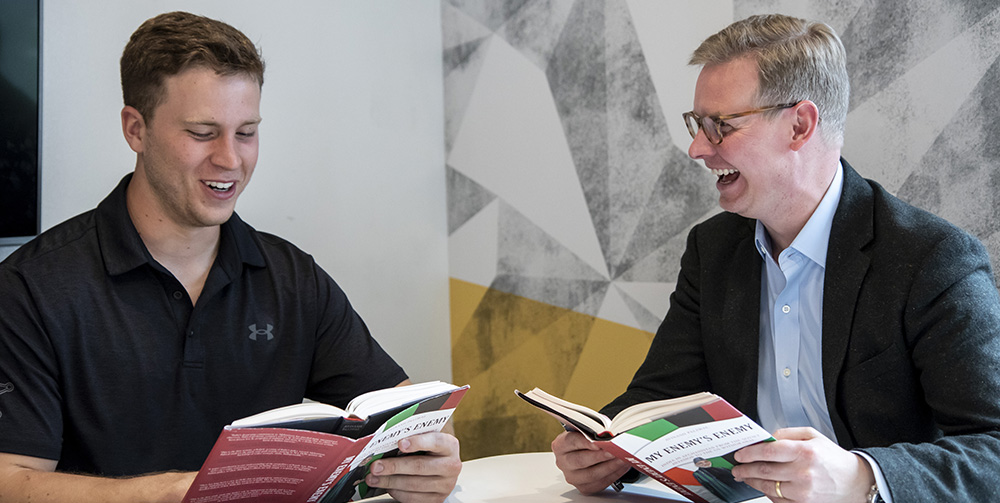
(649, 470)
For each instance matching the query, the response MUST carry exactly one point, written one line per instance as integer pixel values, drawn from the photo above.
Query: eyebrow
(194, 122)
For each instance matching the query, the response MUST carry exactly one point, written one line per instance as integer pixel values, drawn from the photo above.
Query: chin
(215, 218)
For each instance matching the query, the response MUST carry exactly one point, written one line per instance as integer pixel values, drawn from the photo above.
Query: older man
(860, 330)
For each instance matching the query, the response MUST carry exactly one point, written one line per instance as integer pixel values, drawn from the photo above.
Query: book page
(648, 411)
(296, 412)
(593, 421)
(369, 403)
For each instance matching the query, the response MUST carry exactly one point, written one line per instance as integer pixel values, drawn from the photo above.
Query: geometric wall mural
(570, 192)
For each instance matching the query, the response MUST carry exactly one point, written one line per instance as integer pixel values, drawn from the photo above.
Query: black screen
(19, 120)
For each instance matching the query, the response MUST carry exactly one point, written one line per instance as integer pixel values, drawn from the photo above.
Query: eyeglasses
(712, 125)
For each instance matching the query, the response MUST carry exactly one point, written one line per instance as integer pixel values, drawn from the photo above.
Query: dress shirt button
(787, 372)
(178, 295)
(786, 309)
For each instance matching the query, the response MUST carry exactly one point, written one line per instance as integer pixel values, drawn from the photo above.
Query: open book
(362, 416)
(686, 443)
(312, 452)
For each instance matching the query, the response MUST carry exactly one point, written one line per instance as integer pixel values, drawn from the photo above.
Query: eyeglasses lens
(694, 123)
(711, 130)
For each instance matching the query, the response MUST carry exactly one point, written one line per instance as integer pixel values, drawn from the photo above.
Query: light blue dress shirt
(790, 372)
(790, 369)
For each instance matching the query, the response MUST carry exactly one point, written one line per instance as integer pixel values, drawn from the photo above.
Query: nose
(225, 154)
(700, 146)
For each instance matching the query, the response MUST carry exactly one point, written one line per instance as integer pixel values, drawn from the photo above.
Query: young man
(860, 330)
(131, 334)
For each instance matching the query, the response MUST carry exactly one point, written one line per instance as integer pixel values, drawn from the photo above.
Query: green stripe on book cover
(394, 420)
(721, 462)
(653, 430)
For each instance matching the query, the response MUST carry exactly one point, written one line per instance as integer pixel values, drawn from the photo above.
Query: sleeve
(879, 476)
(951, 323)
(348, 361)
(30, 411)
(675, 364)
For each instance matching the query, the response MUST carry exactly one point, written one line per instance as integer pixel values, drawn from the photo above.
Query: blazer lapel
(743, 313)
(846, 267)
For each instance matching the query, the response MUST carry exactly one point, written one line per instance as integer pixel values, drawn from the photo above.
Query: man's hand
(585, 465)
(809, 466)
(427, 477)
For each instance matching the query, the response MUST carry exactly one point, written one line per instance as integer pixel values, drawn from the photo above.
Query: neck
(188, 253)
(800, 205)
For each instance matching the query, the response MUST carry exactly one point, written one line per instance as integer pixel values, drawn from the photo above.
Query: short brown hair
(796, 60)
(170, 43)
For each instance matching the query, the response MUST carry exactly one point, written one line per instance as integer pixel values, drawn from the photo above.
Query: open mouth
(726, 176)
(221, 186)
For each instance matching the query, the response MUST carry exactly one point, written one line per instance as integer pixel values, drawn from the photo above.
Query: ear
(806, 123)
(134, 128)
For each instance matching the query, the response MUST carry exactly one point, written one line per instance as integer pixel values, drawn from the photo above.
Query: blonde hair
(796, 60)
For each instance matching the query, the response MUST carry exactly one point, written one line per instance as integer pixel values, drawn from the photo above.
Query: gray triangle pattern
(885, 39)
(491, 13)
(958, 176)
(465, 198)
(526, 250)
(648, 321)
(535, 29)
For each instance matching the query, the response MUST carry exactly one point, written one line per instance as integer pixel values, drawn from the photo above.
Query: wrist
(167, 487)
(867, 479)
(874, 496)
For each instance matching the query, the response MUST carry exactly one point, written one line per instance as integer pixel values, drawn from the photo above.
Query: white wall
(351, 164)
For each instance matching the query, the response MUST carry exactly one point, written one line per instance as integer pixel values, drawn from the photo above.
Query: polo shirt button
(786, 309)
(178, 295)
(787, 372)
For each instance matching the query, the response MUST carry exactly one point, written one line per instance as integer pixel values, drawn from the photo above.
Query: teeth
(724, 172)
(219, 185)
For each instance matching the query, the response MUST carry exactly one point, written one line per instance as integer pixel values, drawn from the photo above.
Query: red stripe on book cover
(720, 409)
(682, 476)
(453, 400)
(652, 472)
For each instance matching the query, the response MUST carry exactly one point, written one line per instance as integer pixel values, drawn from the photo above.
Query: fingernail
(377, 468)
(404, 444)
(372, 481)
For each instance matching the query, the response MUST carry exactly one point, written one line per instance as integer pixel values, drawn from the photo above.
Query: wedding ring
(777, 489)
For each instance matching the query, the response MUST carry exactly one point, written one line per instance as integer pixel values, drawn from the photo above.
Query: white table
(534, 478)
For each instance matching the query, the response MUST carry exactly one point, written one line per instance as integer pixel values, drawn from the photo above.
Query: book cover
(689, 450)
(281, 464)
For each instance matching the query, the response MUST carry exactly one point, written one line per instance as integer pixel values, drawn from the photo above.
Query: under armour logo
(254, 332)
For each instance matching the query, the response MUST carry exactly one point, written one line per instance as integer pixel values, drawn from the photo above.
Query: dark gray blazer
(911, 353)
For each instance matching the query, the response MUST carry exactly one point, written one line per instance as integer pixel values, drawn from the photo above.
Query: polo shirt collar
(123, 250)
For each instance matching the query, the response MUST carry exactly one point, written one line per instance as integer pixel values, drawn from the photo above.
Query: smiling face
(198, 152)
(755, 178)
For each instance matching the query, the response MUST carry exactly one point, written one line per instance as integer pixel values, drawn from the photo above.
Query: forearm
(25, 484)
(960, 467)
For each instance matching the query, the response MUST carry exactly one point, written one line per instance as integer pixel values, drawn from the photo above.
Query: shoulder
(284, 260)
(871, 217)
(274, 245)
(67, 240)
(910, 248)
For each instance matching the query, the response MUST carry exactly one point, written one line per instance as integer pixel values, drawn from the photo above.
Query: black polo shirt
(106, 366)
